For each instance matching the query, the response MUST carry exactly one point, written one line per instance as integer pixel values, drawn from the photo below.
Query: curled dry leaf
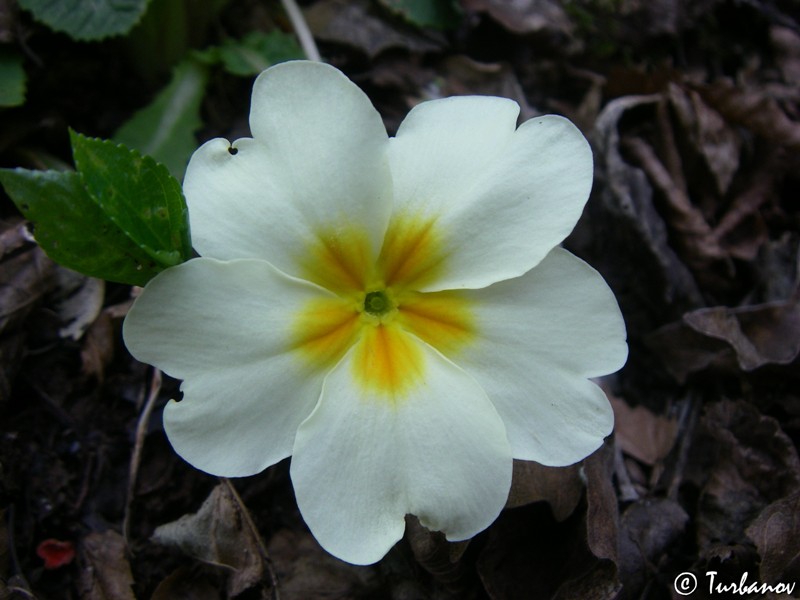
(97, 350)
(749, 463)
(625, 205)
(218, 534)
(183, 584)
(599, 583)
(306, 572)
(435, 554)
(753, 108)
(697, 241)
(105, 573)
(776, 534)
(786, 43)
(742, 231)
(602, 518)
(530, 555)
(647, 530)
(642, 434)
(78, 300)
(25, 279)
(717, 142)
(26, 273)
(352, 23)
(560, 487)
(729, 338)
(526, 16)
(460, 75)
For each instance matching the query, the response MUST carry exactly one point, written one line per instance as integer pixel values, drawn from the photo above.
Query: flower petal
(317, 163)
(226, 328)
(540, 337)
(362, 461)
(511, 196)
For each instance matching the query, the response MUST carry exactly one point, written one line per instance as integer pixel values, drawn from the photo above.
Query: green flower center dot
(377, 303)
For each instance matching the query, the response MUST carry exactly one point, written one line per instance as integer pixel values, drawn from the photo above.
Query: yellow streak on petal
(442, 319)
(412, 253)
(387, 360)
(340, 259)
(324, 330)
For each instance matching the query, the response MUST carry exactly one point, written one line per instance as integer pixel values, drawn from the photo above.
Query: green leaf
(12, 79)
(438, 14)
(165, 128)
(87, 19)
(138, 195)
(73, 230)
(258, 50)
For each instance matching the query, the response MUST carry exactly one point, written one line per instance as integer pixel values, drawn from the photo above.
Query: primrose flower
(392, 313)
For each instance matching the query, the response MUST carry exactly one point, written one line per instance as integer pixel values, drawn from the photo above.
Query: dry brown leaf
(718, 144)
(750, 463)
(776, 534)
(105, 573)
(778, 266)
(599, 583)
(460, 75)
(560, 487)
(786, 43)
(435, 554)
(697, 240)
(25, 279)
(526, 16)
(25, 274)
(742, 231)
(218, 534)
(306, 572)
(754, 109)
(529, 555)
(760, 335)
(77, 300)
(641, 433)
(626, 199)
(97, 350)
(183, 584)
(602, 519)
(352, 23)
(647, 530)
(728, 338)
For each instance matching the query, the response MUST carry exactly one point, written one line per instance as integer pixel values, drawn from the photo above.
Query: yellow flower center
(378, 308)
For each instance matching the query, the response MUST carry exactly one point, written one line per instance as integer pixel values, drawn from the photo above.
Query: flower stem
(302, 30)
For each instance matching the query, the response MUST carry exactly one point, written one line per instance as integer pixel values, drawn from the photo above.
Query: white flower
(391, 313)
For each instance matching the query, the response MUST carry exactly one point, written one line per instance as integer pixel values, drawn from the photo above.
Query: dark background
(694, 220)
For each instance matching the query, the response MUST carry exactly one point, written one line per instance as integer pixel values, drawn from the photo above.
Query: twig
(136, 457)
(627, 491)
(256, 535)
(24, 587)
(670, 148)
(301, 29)
(690, 412)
